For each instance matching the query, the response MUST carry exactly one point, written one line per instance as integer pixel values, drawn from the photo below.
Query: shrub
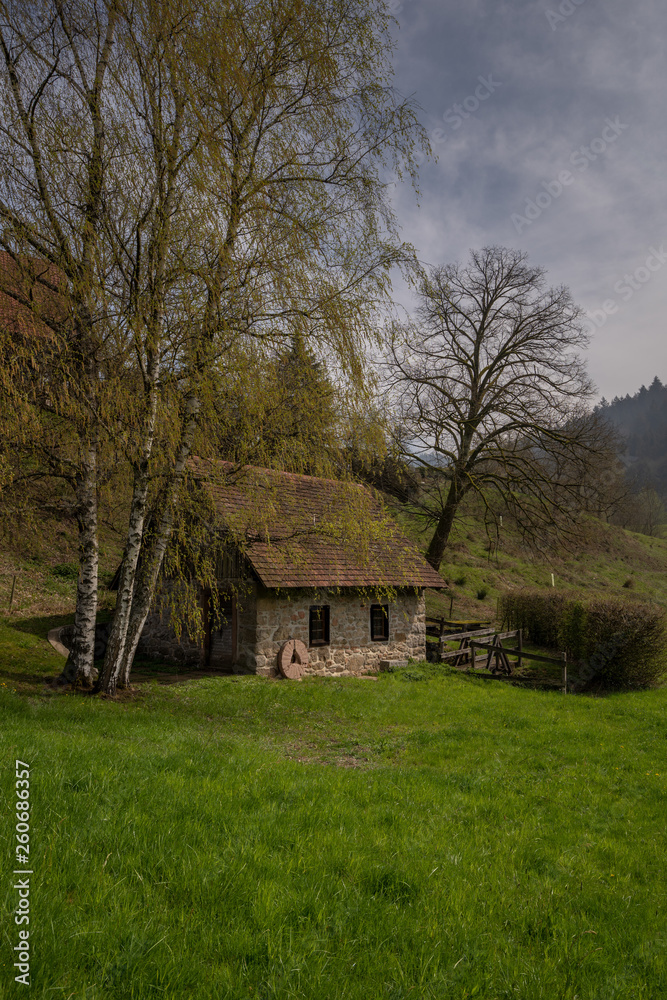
(625, 644)
(573, 629)
(66, 571)
(610, 643)
(481, 593)
(537, 612)
(460, 581)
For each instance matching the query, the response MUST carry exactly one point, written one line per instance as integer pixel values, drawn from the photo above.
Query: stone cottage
(307, 559)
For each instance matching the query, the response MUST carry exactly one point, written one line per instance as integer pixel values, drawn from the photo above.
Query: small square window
(379, 622)
(318, 630)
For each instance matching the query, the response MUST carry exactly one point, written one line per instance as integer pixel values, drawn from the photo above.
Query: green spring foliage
(615, 644)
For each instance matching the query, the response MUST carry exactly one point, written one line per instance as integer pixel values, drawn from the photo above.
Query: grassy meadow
(423, 835)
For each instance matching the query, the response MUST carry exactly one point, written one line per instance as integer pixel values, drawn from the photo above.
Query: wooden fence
(439, 627)
(496, 656)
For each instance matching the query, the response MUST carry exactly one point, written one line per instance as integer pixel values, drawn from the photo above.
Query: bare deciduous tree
(488, 387)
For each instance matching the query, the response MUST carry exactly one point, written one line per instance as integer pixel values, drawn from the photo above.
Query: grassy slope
(236, 838)
(34, 552)
(607, 560)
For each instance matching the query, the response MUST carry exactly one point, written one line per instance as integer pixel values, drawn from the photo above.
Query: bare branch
(488, 388)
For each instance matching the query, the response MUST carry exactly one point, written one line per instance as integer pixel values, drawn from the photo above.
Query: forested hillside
(642, 422)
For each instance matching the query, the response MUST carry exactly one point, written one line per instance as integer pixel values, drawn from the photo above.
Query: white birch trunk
(145, 585)
(79, 666)
(117, 638)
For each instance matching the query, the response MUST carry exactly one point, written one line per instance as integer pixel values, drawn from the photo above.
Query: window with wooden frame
(379, 622)
(318, 625)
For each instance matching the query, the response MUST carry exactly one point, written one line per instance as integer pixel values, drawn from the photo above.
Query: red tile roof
(33, 281)
(303, 531)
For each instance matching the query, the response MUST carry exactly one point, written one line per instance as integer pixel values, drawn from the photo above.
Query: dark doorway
(219, 630)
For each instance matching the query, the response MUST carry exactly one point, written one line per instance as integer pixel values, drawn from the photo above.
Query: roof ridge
(279, 472)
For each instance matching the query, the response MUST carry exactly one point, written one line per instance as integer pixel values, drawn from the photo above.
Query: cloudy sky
(519, 96)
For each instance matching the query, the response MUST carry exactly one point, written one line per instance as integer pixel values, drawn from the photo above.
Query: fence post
(520, 645)
(471, 647)
(564, 673)
(11, 596)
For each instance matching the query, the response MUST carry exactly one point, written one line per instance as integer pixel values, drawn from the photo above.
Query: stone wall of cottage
(266, 619)
(350, 651)
(159, 642)
(246, 632)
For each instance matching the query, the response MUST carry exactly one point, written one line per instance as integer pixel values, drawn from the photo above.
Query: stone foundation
(265, 619)
(350, 650)
(158, 642)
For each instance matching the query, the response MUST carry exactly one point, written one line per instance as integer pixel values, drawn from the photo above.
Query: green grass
(442, 837)
(606, 560)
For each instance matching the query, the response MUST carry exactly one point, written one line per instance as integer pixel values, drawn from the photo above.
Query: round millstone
(292, 659)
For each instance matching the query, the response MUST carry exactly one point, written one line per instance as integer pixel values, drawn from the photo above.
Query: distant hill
(642, 422)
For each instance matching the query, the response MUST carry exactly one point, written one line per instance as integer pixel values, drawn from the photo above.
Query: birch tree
(54, 150)
(228, 189)
(289, 232)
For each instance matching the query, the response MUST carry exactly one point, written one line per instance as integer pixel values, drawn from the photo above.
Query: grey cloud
(557, 89)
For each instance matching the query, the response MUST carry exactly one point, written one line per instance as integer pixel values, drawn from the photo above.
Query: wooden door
(219, 630)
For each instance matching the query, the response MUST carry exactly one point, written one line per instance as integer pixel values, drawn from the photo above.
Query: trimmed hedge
(610, 643)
